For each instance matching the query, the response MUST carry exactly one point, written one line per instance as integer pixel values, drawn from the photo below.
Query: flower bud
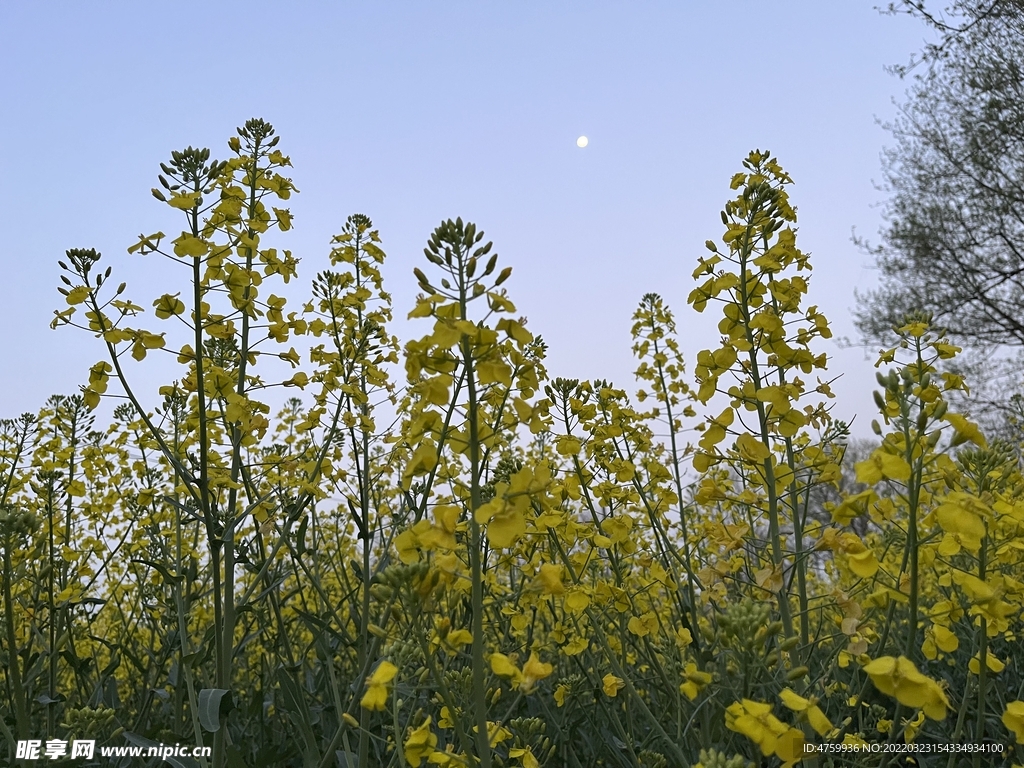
(796, 673)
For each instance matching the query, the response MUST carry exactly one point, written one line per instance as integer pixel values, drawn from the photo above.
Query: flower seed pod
(796, 673)
(789, 643)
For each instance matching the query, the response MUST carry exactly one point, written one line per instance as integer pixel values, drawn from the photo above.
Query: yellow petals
(882, 465)
(611, 685)
(899, 678)
(641, 626)
(939, 638)
(494, 372)
(506, 527)
(284, 218)
(188, 246)
(976, 590)
(560, 693)
(168, 305)
(183, 200)
(566, 445)
(376, 696)
(420, 744)
(550, 579)
(863, 564)
(534, 670)
(502, 666)
(962, 517)
(751, 449)
(755, 720)
(945, 639)
(576, 602)
(993, 664)
(435, 389)
(965, 431)
(526, 756)
(696, 681)
(77, 295)
(809, 708)
(458, 637)
(1013, 719)
(853, 506)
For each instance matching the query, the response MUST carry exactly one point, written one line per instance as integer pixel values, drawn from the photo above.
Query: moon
(582, 141)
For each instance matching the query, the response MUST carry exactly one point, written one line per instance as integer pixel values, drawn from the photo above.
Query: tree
(953, 241)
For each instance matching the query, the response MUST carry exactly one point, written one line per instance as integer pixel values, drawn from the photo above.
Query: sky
(414, 112)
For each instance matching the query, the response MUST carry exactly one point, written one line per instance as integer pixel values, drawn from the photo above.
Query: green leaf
(210, 706)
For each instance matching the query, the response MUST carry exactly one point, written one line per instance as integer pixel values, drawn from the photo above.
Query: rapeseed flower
(899, 678)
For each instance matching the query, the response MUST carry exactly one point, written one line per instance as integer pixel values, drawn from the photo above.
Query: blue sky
(411, 112)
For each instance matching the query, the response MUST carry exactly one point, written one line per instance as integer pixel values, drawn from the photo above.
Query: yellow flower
(376, 696)
(754, 719)
(912, 727)
(549, 578)
(917, 330)
(641, 626)
(993, 664)
(859, 558)
(965, 430)
(560, 693)
(533, 671)
(882, 465)
(899, 678)
(696, 681)
(458, 638)
(1013, 719)
(962, 517)
(420, 744)
(496, 733)
(576, 602)
(526, 755)
(576, 646)
(809, 708)
(502, 666)
(612, 684)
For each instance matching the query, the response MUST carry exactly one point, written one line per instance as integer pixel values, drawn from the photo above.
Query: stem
(483, 747)
(50, 602)
(979, 736)
(18, 691)
(677, 477)
(778, 559)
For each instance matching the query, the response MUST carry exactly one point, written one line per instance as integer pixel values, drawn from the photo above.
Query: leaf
(210, 701)
(161, 569)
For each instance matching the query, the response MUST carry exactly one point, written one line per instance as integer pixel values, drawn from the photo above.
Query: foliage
(955, 181)
(482, 565)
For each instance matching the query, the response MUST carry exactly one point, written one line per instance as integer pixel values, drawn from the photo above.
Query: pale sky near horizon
(415, 112)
